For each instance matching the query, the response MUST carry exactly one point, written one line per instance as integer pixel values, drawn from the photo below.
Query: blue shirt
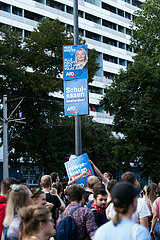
(123, 231)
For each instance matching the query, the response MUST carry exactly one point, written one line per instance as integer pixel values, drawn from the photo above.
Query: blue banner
(76, 97)
(75, 62)
(78, 165)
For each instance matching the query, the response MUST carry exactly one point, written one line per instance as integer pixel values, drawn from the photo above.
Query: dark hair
(75, 193)
(6, 183)
(111, 184)
(128, 177)
(99, 191)
(54, 176)
(58, 186)
(151, 191)
(119, 210)
(36, 192)
(110, 176)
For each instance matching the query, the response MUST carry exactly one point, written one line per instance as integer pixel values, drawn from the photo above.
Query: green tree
(32, 68)
(133, 97)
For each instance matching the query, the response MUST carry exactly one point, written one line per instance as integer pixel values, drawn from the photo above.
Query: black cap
(123, 194)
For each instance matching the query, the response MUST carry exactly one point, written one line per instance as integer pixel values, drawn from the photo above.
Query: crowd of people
(105, 210)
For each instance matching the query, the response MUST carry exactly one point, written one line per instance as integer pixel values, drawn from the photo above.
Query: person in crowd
(146, 198)
(91, 182)
(142, 212)
(124, 196)
(106, 177)
(55, 177)
(5, 190)
(46, 184)
(39, 198)
(98, 206)
(20, 196)
(84, 218)
(151, 193)
(36, 223)
(155, 231)
(110, 206)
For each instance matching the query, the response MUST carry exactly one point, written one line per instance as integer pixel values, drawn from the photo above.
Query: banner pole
(78, 145)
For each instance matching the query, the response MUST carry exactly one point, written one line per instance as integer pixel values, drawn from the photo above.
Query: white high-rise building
(105, 25)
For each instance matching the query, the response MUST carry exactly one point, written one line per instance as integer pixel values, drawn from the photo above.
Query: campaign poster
(78, 165)
(76, 97)
(75, 62)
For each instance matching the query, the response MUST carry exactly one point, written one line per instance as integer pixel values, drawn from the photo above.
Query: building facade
(105, 25)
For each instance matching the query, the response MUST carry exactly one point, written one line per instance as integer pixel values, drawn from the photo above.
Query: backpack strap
(2, 202)
(134, 231)
(70, 214)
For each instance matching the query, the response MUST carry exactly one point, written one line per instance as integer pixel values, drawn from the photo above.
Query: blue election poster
(75, 62)
(78, 165)
(76, 97)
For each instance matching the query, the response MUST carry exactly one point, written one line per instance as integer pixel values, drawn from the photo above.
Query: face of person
(106, 175)
(41, 200)
(49, 226)
(80, 56)
(101, 201)
(29, 200)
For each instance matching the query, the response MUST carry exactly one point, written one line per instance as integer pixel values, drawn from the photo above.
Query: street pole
(5, 138)
(78, 145)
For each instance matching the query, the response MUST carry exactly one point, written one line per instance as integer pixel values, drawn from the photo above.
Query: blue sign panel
(76, 97)
(20, 114)
(75, 62)
(78, 165)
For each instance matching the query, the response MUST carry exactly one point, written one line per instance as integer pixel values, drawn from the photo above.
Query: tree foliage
(133, 97)
(31, 68)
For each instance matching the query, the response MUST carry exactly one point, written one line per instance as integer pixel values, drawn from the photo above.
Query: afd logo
(70, 74)
(72, 109)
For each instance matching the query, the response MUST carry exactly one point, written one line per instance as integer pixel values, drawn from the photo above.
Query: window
(93, 36)
(109, 75)
(122, 62)
(17, 11)
(121, 12)
(32, 16)
(109, 58)
(92, 18)
(108, 7)
(121, 29)
(5, 7)
(97, 90)
(128, 48)
(55, 5)
(121, 45)
(108, 24)
(110, 41)
(128, 31)
(69, 9)
(128, 15)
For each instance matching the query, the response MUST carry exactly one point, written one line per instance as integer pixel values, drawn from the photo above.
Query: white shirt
(141, 211)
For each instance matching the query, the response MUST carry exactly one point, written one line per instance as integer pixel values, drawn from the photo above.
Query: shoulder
(142, 206)
(157, 201)
(142, 233)
(14, 227)
(101, 231)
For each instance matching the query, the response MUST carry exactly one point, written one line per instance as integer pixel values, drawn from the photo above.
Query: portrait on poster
(75, 62)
